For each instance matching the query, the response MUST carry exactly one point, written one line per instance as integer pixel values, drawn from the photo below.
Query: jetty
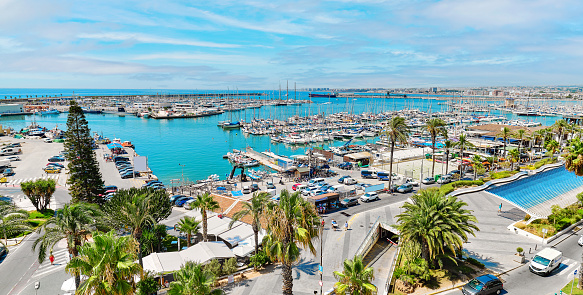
(266, 160)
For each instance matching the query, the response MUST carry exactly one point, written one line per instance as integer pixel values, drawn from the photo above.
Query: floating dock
(263, 159)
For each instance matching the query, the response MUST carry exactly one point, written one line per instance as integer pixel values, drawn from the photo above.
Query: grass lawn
(576, 291)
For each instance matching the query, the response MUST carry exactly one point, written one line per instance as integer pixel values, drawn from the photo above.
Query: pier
(263, 159)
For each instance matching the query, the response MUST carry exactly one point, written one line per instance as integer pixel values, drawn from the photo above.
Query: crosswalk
(61, 260)
(21, 180)
(571, 265)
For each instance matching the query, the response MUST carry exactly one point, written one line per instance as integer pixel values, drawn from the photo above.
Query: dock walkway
(263, 159)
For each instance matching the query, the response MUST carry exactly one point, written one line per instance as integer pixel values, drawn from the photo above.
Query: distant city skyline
(253, 44)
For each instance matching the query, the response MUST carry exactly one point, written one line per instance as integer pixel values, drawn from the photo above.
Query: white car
(12, 158)
(349, 181)
(412, 181)
(48, 140)
(372, 196)
(580, 242)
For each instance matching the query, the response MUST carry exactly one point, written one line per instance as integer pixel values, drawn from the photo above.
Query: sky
(255, 44)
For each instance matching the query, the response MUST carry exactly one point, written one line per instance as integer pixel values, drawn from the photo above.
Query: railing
(393, 266)
(369, 240)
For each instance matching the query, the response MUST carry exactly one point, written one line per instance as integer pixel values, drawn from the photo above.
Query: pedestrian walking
(500, 208)
(345, 225)
(52, 258)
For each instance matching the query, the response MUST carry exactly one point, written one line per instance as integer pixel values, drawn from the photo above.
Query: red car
(295, 186)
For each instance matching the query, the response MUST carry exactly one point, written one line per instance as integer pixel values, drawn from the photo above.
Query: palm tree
(11, 221)
(254, 209)
(537, 136)
(574, 159)
(292, 223)
(74, 223)
(204, 203)
(193, 279)
(520, 135)
(355, 279)
(463, 144)
(436, 222)
(514, 157)
(552, 146)
(505, 133)
(190, 226)
(39, 192)
(448, 145)
(434, 126)
(560, 126)
(109, 264)
(396, 130)
(477, 162)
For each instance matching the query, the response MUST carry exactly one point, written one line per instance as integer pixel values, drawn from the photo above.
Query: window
(541, 260)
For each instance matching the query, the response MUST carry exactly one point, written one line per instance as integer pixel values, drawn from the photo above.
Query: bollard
(536, 245)
(529, 250)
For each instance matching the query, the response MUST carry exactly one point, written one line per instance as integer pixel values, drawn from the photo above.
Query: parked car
(444, 179)
(56, 159)
(12, 158)
(8, 172)
(486, 284)
(270, 185)
(48, 140)
(175, 197)
(405, 188)
(55, 164)
(52, 169)
(349, 202)
(295, 186)
(349, 181)
(580, 242)
(428, 180)
(411, 181)
(180, 202)
(368, 197)
(341, 179)
(246, 189)
(110, 187)
(128, 174)
(150, 183)
(345, 166)
(254, 187)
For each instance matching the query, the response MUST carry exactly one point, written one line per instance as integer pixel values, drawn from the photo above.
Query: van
(9, 151)
(301, 187)
(382, 175)
(368, 174)
(317, 181)
(444, 179)
(545, 261)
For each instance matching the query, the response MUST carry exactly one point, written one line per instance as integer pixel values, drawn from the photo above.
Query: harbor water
(199, 144)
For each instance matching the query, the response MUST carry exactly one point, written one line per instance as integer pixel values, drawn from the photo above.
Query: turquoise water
(198, 143)
(531, 191)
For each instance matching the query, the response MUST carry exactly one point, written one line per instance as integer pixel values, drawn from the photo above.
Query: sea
(193, 148)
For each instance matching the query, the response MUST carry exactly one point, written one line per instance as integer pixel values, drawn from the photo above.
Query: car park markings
(61, 260)
(570, 264)
(21, 180)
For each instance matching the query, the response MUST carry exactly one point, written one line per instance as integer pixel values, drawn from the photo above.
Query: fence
(369, 240)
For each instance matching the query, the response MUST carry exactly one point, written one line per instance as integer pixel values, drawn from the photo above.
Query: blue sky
(254, 44)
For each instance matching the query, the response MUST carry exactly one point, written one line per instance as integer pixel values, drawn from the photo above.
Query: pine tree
(84, 175)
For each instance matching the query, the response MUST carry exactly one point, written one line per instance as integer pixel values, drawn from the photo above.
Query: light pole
(182, 184)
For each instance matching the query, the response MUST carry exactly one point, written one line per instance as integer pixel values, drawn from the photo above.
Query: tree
(396, 130)
(560, 126)
(230, 266)
(505, 133)
(514, 157)
(477, 162)
(158, 200)
(192, 279)
(132, 211)
(537, 136)
(74, 223)
(255, 210)
(355, 278)
(204, 203)
(190, 226)
(109, 264)
(292, 223)
(552, 146)
(436, 222)
(148, 285)
(520, 135)
(39, 192)
(463, 144)
(84, 175)
(435, 126)
(11, 221)
(152, 237)
(574, 159)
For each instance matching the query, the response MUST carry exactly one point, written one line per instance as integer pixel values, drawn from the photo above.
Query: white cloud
(143, 38)
(200, 57)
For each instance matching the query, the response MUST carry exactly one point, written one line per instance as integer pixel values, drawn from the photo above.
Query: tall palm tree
(11, 221)
(520, 135)
(190, 226)
(448, 145)
(463, 144)
(292, 223)
(193, 279)
(436, 222)
(560, 126)
(204, 203)
(355, 278)
(109, 264)
(505, 133)
(254, 209)
(537, 136)
(434, 126)
(552, 146)
(396, 130)
(574, 159)
(514, 157)
(74, 223)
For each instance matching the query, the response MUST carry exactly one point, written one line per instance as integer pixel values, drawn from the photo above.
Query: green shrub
(230, 266)
(35, 223)
(38, 215)
(213, 267)
(519, 250)
(398, 272)
(258, 260)
(502, 174)
(526, 217)
(475, 262)
(464, 269)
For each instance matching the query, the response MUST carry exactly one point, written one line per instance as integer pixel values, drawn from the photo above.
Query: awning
(114, 145)
(236, 234)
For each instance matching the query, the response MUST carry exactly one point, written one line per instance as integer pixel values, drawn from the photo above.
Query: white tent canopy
(202, 252)
(236, 234)
(247, 246)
